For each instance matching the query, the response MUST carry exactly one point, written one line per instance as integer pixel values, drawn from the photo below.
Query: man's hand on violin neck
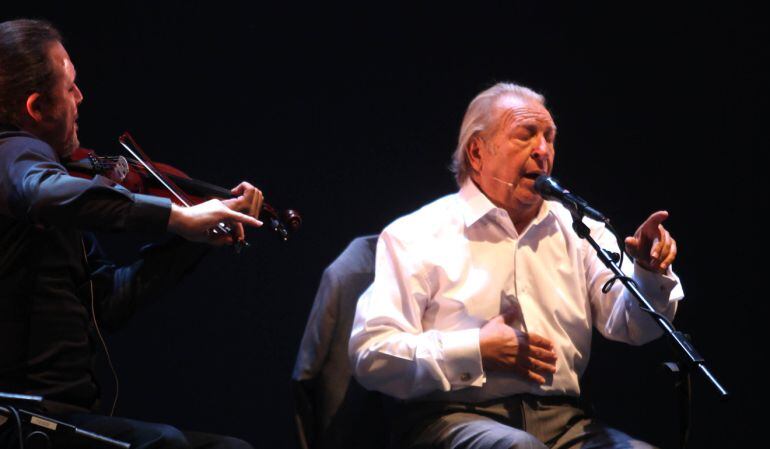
(196, 222)
(248, 199)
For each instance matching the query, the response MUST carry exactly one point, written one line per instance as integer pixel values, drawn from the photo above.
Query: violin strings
(109, 162)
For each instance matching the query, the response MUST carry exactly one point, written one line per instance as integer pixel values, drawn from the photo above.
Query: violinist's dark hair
(24, 64)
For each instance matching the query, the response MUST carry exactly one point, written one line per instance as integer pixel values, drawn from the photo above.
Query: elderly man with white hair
(479, 319)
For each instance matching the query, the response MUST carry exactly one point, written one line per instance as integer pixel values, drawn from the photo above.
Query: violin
(140, 175)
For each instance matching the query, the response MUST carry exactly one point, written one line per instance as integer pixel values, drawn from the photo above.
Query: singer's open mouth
(533, 175)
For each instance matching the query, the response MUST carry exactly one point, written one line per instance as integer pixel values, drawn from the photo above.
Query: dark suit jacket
(332, 409)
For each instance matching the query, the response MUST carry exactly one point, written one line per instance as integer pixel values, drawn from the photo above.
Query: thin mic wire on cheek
(509, 184)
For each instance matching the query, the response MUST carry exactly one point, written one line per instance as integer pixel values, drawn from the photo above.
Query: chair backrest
(331, 409)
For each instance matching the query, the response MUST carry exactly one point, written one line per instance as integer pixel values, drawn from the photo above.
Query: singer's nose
(540, 150)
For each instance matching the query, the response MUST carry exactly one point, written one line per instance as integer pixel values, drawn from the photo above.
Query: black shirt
(49, 265)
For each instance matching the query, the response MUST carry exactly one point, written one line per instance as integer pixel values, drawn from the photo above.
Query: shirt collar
(475, 205)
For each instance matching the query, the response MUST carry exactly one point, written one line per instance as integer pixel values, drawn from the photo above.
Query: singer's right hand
(504, 348)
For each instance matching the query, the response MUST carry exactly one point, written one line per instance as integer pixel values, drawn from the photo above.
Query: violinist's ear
(34, 107)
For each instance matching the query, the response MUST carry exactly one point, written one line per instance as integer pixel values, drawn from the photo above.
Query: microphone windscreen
(547, 186)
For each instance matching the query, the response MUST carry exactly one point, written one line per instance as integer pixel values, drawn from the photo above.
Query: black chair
(331, 409)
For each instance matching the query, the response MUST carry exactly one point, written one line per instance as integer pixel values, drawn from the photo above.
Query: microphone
(550, 189)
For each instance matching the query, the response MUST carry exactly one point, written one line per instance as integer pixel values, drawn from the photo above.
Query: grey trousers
(521, 422)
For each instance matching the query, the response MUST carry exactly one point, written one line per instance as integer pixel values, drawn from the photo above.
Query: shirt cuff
(149, 214)
(462, 358)
(659, 288)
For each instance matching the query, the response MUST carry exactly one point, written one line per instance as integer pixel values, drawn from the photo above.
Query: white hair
(478, 119)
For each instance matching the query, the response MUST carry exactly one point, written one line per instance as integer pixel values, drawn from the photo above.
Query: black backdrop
(350, 114)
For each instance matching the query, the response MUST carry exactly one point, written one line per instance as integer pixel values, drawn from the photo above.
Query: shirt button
(465, 377)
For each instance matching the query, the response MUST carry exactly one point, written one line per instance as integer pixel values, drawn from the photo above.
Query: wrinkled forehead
(511, 110)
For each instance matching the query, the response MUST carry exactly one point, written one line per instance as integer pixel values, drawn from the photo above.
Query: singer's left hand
(652, 246)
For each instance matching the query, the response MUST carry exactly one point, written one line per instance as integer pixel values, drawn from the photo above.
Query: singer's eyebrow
(533, 125)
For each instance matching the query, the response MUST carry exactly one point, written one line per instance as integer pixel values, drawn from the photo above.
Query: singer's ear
(473, 151)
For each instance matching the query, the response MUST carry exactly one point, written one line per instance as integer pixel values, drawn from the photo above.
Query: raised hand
(652, 245)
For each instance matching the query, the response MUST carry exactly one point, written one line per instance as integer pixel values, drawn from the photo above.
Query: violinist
(57, 290)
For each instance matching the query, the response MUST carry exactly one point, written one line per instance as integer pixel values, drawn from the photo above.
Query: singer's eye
(524, 133)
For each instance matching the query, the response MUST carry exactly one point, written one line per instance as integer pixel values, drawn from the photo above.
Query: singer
(480, 315)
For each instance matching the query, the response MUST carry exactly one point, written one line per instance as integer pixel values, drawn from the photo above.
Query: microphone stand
(690, 359)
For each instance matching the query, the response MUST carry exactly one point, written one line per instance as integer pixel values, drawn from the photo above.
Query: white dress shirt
(444, 270)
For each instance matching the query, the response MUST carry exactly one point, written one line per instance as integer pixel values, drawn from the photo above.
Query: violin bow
(133, 148)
